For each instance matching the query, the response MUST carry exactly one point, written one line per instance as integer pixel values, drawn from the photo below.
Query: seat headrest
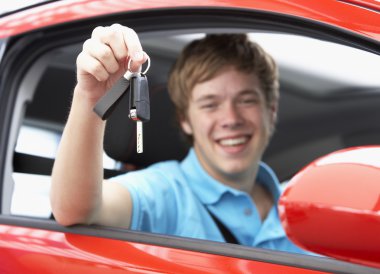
(162, 139)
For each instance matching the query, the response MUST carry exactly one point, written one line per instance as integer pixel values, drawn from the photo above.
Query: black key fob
(139, 104)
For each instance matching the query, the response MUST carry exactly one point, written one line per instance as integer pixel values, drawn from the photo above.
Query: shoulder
(160, 195)
(160, 175)
(168, 170)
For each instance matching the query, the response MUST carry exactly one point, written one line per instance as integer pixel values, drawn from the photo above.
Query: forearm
(77, 194)
(77, 176)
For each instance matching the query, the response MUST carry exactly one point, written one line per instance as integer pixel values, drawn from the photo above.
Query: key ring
(129, 71)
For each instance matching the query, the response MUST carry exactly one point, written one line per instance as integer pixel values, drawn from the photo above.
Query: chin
(240, 166)
(235, 170)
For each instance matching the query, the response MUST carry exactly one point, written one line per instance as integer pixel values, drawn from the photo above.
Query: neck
(263, 199)
(243, 180)
(246, 182)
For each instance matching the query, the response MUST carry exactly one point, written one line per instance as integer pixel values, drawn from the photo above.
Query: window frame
(20, 69)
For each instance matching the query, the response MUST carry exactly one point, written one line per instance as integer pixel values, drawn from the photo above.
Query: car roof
(337, 13)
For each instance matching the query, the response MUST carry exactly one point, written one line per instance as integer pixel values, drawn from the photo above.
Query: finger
(86, 64)
(141, 58)
(130, 45)
(135, 51)
(113, 37)
(145, 57)
(103, 53)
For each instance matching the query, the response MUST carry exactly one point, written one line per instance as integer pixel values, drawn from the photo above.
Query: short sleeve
(154, 199)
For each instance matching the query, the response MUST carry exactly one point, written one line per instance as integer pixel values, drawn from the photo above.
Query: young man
(225, 89)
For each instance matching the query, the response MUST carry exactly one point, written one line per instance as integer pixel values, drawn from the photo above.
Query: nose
(231, 117)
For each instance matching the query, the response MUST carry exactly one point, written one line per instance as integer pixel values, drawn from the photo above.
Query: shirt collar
(210, 191)
(268, 178)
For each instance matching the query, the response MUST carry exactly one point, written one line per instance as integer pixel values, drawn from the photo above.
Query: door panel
(29, 250)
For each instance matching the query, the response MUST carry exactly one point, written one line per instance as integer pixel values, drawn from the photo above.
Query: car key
(139, 106)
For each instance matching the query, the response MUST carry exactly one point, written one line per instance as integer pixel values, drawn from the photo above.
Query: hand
(104, 59)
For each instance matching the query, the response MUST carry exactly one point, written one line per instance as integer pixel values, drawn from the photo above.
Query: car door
(37, 76)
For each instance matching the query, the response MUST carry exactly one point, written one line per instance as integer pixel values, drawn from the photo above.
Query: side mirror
(332, 206)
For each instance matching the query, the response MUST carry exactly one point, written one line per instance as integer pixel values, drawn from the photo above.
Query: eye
(249, 100)
(208, 106)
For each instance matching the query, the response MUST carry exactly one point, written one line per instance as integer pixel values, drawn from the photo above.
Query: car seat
(162, 138)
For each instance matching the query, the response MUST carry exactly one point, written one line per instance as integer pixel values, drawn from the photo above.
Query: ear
(186, 127)
(273, 117)
(273, 113)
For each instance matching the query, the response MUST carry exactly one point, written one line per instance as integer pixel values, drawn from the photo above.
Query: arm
(78, 193)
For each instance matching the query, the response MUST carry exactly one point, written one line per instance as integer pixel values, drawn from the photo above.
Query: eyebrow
(207, 97)
(253, 91)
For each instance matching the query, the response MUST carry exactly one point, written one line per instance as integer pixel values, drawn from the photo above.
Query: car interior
(329, 98)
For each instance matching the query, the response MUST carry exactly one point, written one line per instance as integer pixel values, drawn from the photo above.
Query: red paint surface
(333, 206)
(26, 250)
(350, 17)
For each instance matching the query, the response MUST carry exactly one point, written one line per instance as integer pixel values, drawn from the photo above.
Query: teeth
(233, 142)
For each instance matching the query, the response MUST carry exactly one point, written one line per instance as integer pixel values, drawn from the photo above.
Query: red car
(328, 55)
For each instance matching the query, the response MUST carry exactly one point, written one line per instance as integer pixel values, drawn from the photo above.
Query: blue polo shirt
(171, 198)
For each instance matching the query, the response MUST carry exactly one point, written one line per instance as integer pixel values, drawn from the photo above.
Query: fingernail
(138, 56)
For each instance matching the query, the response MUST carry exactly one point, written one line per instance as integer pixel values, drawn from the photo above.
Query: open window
(329, 98)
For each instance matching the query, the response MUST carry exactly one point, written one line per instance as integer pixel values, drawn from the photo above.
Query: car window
(37, 141)
(31, 191)
(43, 142)
(329, 96)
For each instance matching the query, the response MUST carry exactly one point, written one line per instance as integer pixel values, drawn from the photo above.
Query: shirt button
(248, 211)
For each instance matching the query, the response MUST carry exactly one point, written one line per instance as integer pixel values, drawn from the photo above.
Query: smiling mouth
(229, 142)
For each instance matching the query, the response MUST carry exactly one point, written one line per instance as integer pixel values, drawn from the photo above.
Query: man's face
(230, 124)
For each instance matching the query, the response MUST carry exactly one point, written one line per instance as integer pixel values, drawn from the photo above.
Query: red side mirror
(332, 207)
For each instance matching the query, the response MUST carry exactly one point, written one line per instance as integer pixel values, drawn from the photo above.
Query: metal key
(139, 131)
(139, 106)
